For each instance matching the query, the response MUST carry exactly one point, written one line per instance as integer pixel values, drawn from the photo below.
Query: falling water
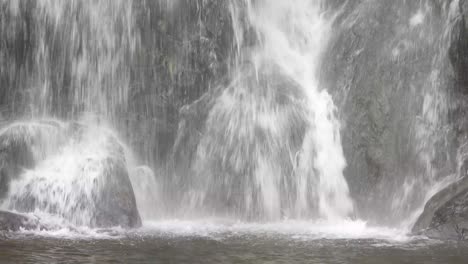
(271, 146)
(75, 167)
(261, 145)
(77, 171)
(292, 37)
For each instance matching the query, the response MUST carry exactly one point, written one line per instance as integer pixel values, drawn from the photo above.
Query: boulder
(445, 215)
(393, 99)
(22, 145)
(10, 221)
(115, 203)
(87, 184)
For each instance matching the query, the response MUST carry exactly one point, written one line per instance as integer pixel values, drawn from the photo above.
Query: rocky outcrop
(401, 110)
(445, 215)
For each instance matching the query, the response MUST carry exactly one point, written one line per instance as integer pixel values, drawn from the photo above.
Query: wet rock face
(14, 157)
(185, 49)
(394, 99)
(153, 57)
(445, 215)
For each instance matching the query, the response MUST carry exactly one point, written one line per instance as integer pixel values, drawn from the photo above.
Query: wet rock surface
(402, 111)
(166, 55)
(445, 215)
(115, 203)
(63, 179)
(14, 222)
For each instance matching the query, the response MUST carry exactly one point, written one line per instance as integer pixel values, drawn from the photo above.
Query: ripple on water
(221, 228)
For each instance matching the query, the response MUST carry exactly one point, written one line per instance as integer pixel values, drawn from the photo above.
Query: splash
(83, 179)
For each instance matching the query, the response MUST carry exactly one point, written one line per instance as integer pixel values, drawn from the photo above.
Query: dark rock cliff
(396, 69)
(164, 54)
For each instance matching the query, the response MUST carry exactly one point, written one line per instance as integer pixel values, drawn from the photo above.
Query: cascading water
(292, 36)
(263, 145)
(208, 131)
(76, 171)
(271, 146)
(96, 48)
(71, 181)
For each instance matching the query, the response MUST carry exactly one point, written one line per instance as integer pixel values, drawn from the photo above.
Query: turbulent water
(220, 124)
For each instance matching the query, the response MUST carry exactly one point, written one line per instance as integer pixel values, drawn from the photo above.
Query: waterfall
(75, 64)
(269, 144)
(81, 59)
(270, 148)
(126, 112)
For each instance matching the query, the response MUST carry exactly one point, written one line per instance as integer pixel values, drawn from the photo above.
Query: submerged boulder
(13, 222)
(445, 215)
